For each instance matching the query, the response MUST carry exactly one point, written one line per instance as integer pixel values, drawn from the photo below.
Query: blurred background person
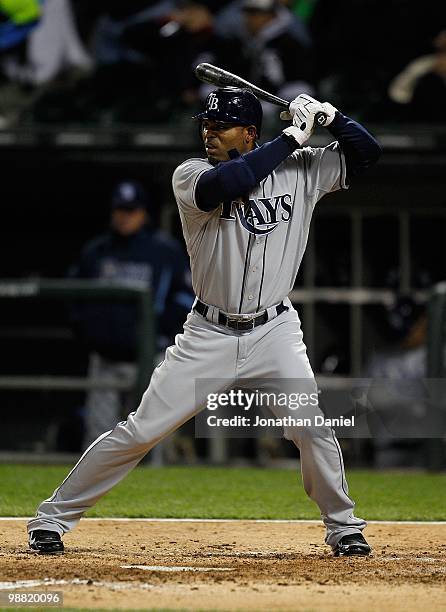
(130, 250)
(185, 37)
(18, 18)
(151, 50)
(121, 87)
(361, 44)
(48, 49)
(422, 81)
(115, 18)
(304, 9)
(276, 48)
(398, 406)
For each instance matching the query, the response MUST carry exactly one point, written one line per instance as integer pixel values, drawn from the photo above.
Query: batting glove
(303, 111)
(327, 108)
(330, 111)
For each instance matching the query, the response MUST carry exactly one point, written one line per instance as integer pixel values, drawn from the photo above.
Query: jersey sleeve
(184, 183)
(324, 168)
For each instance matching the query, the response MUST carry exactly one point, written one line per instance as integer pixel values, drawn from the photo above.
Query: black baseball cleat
(352, 545)
(46, 542)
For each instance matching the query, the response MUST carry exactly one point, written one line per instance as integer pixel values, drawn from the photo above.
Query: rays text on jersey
(259, 216)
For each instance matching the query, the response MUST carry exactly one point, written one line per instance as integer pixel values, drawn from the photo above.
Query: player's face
(127, 222)
(220, 137)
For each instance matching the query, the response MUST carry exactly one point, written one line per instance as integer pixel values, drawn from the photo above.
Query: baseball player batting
(245, 211)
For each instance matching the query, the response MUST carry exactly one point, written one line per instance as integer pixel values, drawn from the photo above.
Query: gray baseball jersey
(245, 256)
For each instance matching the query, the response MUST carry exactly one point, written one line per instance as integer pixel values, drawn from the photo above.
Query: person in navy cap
(129, 250)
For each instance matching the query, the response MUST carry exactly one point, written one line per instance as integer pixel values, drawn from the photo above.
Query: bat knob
(320, 119)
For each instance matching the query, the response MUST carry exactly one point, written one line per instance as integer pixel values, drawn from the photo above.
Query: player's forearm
(360, 148)
(234, 178)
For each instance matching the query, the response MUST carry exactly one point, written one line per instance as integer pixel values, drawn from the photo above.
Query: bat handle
(320, 119)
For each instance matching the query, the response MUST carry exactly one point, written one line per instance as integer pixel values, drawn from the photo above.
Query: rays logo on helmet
(262, 215)
(212, 102)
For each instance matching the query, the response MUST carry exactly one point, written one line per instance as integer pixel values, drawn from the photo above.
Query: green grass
(249, 493)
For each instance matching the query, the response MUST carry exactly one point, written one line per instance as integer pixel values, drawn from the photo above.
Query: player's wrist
(295, 136)
(330, 112)
(291, 142)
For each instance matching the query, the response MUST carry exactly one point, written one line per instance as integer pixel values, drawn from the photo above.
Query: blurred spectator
(17, 20)
(396, 405)
(286, 46)
(122, 78)
(150, 50)
(303, 9)
(130, 250)
(422, 82)
(361, 44)
(51, 50)
(187, 39)
(276, 48)
(279, 60)
(112, 41)
(54, 47)
(229, 21)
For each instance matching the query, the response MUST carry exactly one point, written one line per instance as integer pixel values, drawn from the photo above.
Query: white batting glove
(303, 110)
(304, 100)
(330, 111)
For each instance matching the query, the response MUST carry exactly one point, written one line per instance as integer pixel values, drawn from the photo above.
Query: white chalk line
(203, 520)
(127, 586)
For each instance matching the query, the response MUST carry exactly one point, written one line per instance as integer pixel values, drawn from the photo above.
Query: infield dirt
(252, 566)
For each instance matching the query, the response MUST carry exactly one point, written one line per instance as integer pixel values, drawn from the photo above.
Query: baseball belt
(240, 322)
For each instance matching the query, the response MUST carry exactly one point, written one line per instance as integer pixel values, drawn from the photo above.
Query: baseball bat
(222, 78)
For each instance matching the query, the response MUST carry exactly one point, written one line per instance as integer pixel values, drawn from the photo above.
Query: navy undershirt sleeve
(232, 179)
(360, 148)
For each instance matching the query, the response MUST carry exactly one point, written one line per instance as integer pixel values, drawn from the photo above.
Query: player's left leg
(282, 359)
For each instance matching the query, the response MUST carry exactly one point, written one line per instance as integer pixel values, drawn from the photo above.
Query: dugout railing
(85, 290)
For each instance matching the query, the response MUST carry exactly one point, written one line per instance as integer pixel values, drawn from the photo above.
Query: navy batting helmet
(233, 105)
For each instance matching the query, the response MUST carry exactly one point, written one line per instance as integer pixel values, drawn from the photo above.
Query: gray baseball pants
(274, 350)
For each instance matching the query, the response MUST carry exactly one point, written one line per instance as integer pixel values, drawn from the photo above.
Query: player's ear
(251, 133)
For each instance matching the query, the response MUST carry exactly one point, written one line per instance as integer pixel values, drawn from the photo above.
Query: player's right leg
(204, 349)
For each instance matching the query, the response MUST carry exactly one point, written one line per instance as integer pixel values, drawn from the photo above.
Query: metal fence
(66, 289)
